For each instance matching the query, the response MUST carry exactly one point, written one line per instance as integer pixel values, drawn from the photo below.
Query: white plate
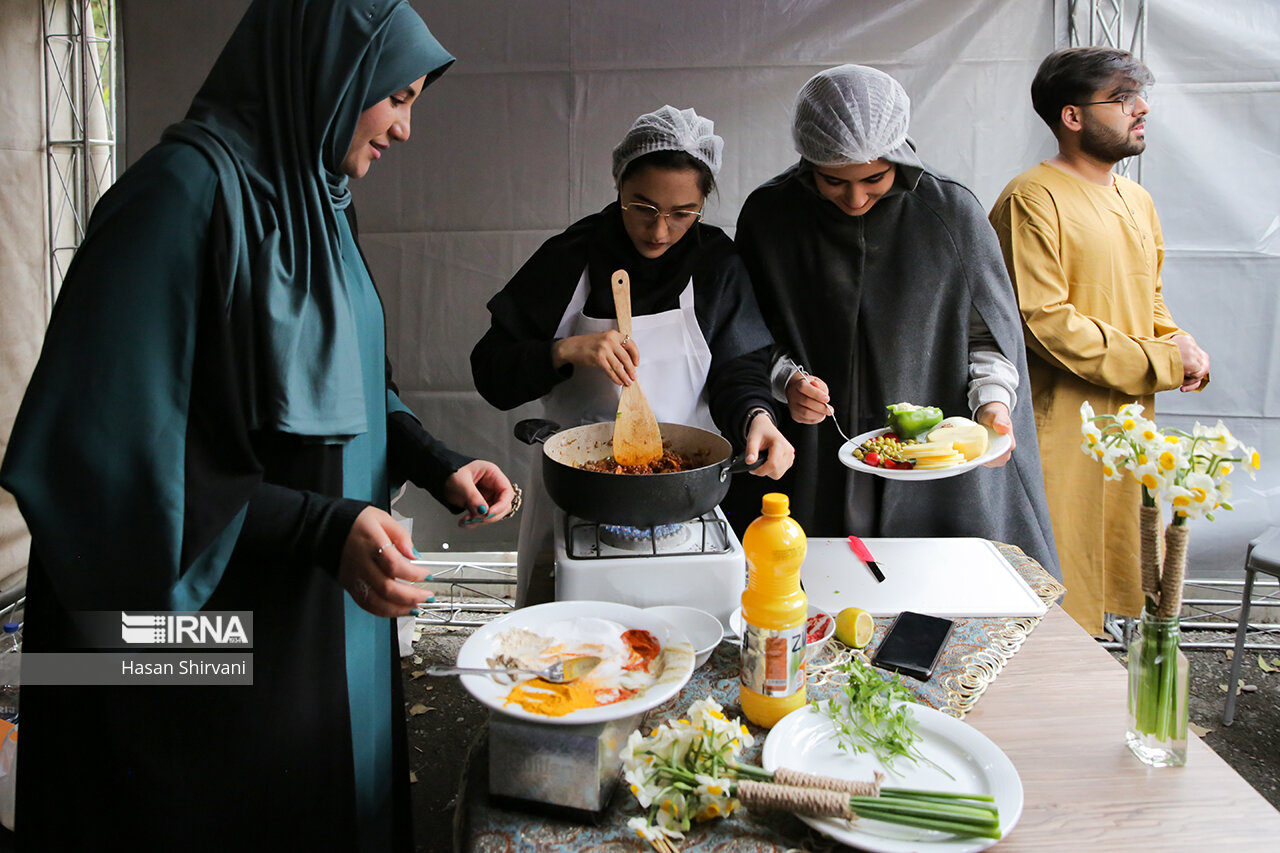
(702, 628)
(677, 654)
(997, 445)
(805, 740)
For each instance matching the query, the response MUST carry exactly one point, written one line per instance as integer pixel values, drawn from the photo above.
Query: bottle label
(772, 662)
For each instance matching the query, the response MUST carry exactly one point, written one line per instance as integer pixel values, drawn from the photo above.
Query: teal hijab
(120, 513)
(275, 117)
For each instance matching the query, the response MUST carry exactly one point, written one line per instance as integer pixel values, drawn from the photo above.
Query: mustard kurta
(1085, 261)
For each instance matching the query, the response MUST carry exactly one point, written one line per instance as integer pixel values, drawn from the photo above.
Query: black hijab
(533, 302)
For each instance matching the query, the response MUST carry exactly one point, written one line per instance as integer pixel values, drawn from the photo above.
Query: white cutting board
(941, 577)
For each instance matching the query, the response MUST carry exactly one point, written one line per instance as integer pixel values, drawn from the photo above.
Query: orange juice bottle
(774, 613)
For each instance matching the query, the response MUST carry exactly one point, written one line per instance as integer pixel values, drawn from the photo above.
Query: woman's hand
(610, 351)
(996, 417)
(484, 490)
(808, 398)
(764, 435)
(375, 565)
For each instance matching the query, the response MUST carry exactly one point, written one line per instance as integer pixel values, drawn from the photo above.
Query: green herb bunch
(875, 716)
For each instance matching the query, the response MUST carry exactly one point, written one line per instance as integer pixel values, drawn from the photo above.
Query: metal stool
(1263, 556)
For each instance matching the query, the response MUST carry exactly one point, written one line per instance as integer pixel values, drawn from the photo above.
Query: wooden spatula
(636, 440)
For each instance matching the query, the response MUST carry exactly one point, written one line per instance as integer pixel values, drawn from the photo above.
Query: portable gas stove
(697, 563)
(565, 767)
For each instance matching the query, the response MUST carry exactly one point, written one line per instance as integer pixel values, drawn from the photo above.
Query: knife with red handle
(865, 556)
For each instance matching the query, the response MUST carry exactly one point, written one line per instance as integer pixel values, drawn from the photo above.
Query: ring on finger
(515, 501)
(626, 338)
(363, 587)
(378, 553)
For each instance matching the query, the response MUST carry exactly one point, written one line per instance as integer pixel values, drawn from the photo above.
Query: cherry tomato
(898, 466)
(872, 459)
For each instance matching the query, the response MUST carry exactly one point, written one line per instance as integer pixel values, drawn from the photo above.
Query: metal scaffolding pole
(80, 88)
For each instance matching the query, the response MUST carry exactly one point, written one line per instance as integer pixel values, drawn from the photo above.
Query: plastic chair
(1263, 556)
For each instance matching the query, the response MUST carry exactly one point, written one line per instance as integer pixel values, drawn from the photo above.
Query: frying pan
(641, 500)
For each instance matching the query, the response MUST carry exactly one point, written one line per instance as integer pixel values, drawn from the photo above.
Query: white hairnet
(850, 114)
(670, 129)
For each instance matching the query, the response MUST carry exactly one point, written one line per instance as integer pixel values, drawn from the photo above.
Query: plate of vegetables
(918, 443)
(975, 794)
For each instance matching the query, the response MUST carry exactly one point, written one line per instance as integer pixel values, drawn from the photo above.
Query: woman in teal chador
(212, 426)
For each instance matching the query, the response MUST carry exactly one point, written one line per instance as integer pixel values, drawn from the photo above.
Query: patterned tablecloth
(975, 654)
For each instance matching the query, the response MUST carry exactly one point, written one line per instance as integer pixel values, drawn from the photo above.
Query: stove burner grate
(706, 534)
(662, 537)
(622, 531)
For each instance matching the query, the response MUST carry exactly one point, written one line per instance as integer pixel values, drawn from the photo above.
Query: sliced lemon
(855, 627)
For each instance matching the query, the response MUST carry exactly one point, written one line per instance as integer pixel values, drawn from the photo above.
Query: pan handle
(535, 430)
(737, 465)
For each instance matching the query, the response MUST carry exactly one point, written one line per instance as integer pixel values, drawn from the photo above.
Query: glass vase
(1158, 683)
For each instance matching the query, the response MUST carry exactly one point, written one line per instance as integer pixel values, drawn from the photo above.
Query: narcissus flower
(1189, 470)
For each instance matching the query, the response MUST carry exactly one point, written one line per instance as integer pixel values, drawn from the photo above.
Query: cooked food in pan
(669, 462)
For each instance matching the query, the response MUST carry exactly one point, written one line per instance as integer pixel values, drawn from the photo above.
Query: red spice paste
(644, 648)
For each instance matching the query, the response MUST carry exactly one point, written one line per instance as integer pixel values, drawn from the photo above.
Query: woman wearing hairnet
(699, 346)
(211, 427)
(882, 282)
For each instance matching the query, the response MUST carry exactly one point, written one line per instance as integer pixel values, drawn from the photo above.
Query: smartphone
(913, 644)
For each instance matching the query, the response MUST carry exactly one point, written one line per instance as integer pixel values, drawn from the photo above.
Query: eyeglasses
(1128, 101)
(676, 219)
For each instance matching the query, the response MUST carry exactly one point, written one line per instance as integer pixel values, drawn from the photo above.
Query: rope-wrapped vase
(1174, 571)
(1158, 674)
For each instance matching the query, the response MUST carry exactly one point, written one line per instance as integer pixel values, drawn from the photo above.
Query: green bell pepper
(909, 421)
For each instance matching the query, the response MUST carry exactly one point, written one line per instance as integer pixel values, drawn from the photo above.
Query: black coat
(878, 307)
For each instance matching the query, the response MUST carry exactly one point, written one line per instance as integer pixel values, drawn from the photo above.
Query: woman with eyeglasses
(699, 345)
(882, 283)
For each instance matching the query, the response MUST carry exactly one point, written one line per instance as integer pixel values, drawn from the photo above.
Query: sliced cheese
(931, 455)
(927, 450)
(956, 458)
(966, 436)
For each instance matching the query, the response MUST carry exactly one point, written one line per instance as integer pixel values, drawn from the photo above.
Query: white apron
(674, 361)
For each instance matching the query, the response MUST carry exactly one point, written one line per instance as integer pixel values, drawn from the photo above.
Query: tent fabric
(24, 267)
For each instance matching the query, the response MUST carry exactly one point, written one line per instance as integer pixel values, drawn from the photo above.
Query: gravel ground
(443, 721)
(440, 735)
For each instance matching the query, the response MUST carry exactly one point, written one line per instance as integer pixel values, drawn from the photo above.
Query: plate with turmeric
(644, 660)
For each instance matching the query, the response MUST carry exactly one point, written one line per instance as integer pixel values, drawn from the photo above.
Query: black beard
(1110, 146)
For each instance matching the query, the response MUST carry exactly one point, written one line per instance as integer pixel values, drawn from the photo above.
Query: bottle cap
(775, 503)
(12, 627)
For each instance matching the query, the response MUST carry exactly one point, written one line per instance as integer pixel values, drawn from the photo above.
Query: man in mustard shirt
(1084, 249)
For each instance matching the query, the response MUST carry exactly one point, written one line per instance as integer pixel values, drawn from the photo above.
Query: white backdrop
(513, 144)
(24, 272)
(1213, 166)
